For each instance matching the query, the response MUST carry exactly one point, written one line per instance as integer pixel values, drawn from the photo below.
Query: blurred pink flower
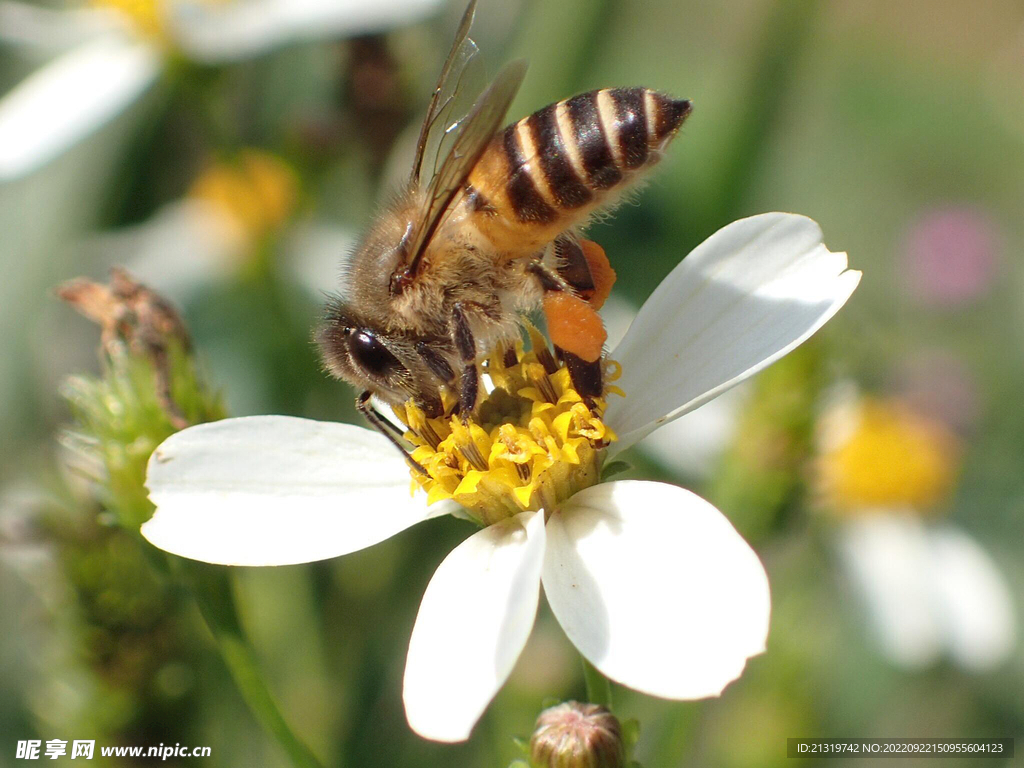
(950, 256)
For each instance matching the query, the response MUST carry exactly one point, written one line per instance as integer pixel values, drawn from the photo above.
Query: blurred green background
(898, 127)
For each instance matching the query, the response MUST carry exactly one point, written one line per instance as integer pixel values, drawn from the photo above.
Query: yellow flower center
(255, 193)
(532, 443)
(889, 457)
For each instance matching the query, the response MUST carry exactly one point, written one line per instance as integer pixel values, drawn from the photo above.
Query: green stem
(785, 33)
(561, 40)
(211, 588)
(599, 688)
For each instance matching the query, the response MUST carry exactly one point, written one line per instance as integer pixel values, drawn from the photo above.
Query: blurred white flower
(651, 583)
(181, 248)
(930, 589)
(112, 51)
(210, 234)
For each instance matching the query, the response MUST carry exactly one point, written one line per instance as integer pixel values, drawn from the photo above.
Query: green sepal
(613, 468)
(630, 732)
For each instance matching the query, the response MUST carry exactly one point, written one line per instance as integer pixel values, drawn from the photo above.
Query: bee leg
(436, 363)
(548, 280)
(462, 335)
(431, 405)
(572, 266)
(386, 428)
(587, 377)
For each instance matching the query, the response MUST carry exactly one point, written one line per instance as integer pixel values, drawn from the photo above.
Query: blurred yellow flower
(146, 16)
(879, 454)
(255, 192)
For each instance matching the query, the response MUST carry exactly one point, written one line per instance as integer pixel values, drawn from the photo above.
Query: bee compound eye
(371, 355)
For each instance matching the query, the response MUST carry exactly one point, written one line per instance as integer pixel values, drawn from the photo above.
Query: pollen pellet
(574, 325)
(601, 272)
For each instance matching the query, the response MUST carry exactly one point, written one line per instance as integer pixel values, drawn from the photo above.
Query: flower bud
(575, 735)
(150, 388)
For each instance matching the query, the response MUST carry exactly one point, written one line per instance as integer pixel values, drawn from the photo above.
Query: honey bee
(484, 231)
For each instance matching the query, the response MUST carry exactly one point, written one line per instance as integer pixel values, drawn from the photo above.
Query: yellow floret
(532, 443)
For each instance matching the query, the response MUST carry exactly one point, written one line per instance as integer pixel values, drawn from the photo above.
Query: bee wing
(454, 83)
(471, 137)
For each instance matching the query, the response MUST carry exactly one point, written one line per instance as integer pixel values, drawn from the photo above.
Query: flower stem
(211, 588)
(599, 688)
(782, 38)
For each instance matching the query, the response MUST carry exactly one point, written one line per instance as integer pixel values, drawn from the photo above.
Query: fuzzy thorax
(532, 443)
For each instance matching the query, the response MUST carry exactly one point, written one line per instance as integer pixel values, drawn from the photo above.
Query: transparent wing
(458, 85)
(470, 138)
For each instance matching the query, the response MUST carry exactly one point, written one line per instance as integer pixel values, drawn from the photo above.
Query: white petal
(742, 299)
(69, 98)
(474, 620)
(276, 490)
(227, 31)
(656, 588)
(973, 600)
(889, 559)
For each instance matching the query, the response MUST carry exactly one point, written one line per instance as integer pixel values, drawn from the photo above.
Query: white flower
(184, 248)
(216, 228)
(651, 583)
(110, 58)
(930, 589)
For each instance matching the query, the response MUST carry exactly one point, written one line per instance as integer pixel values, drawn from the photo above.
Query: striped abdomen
(550, 170)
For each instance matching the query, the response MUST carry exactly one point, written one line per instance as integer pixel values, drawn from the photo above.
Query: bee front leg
(386, 428)
(469, 379)
(436, 363)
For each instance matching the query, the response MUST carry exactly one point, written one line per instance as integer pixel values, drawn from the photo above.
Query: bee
(483, 233)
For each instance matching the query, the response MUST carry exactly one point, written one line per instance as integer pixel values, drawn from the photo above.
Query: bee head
(366, 357)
